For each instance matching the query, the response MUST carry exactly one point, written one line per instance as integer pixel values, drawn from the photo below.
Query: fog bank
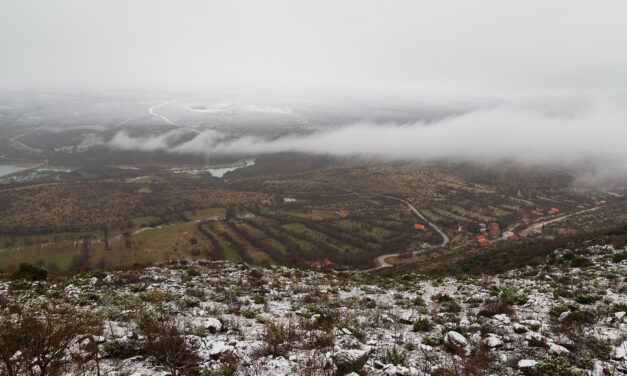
(539, 132)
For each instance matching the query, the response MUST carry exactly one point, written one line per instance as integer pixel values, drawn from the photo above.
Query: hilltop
(195, 317)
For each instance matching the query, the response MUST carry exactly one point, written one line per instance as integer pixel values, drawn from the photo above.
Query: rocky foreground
(565, 317)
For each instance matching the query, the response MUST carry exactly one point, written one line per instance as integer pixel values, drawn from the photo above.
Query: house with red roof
(319, 264)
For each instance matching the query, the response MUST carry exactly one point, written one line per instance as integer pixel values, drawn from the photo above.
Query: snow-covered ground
(248, 320)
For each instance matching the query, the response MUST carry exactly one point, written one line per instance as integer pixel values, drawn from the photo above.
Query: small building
(320, 264)
(507, 234)
(554, 211)
(493, 233)
(418, 226)
(484, 242)
(480, 237)
(344, 213)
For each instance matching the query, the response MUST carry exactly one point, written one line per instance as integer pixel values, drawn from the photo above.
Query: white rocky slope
(239, 319)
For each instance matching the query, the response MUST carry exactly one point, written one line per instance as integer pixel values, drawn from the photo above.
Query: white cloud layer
(561, 133)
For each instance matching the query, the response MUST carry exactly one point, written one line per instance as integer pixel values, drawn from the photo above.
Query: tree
(30, 271)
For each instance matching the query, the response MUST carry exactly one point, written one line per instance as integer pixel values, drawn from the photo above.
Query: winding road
(381, 259)
(20, 145)
(152, 112)
(445, 238)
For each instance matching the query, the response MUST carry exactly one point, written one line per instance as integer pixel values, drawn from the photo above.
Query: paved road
(541, 224)
(445, 238)
(20, 145)
(381, 259)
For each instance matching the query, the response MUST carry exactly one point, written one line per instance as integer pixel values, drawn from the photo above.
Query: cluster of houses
(597, 203)
(490, 231)
(538, 212)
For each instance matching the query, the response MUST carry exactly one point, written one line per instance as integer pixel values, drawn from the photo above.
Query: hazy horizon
(392, 48)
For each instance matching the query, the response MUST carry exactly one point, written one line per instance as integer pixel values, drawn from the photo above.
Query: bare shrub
(479, 363)
(495, 307)
(315, 364)
(36, 341)
(127, 277)
(165, 342)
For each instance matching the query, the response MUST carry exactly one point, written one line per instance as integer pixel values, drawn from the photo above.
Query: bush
(137, 287)
(196, 293)
(561, 292)
(619, 307)
(509, 295)
(189, 302)
(396, 357)
(117, 349)
(554, 367)
(85, 298)
(418, 301)
(228, 369)
(277, 338)
(585, 298)
(450, 307)
(619, 257)
(434, 340)
(568, 256)
(192, 272)
(580, 262)
(30, 272)
(250, 312)
(580, 317)
(165, 342)
(442, 298)
(556, 311)
(422, 325)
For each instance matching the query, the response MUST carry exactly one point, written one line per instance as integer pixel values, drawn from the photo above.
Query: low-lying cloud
(563, 133)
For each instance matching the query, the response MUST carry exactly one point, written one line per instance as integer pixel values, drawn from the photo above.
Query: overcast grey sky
(391, 46)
